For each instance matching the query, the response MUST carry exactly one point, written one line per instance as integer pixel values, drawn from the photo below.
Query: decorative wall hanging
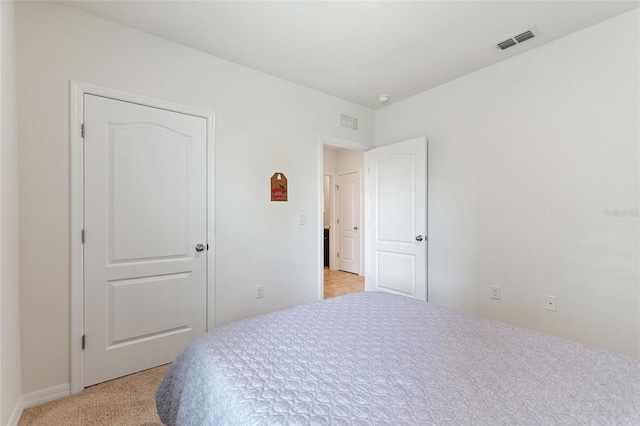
(279, 188)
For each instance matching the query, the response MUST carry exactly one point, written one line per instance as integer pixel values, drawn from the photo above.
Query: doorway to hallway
(342, 219)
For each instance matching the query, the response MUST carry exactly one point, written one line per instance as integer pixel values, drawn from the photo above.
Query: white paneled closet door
(145, 261)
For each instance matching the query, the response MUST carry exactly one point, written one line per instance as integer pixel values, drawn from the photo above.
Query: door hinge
(207, 247)
(82, 236)
(337, 221)
(82, 130)
(338, 254)
(83, 342)
(337, 187)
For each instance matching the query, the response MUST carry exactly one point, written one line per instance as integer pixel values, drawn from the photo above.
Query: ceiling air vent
(524, 36)
(506, 44)
(517, 38)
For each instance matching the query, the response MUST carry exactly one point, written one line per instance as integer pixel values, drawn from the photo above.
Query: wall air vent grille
(349, 122)
(517, 38)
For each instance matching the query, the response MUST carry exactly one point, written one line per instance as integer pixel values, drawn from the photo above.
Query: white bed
(378, 358)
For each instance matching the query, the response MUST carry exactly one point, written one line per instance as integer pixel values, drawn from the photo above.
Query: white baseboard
(17, 413)
(46, 395)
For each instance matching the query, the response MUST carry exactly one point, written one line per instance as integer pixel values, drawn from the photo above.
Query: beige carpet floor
(127, 401)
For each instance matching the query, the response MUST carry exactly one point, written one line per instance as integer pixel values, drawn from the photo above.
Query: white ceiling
(357, 50)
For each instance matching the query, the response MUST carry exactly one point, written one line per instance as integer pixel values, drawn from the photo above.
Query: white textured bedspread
(377, 358)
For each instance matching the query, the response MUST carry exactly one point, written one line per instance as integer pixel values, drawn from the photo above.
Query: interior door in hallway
(397, 184)
(348, 217)
(145, 267)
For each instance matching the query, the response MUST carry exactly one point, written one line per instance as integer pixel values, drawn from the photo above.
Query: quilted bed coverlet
(378, 358)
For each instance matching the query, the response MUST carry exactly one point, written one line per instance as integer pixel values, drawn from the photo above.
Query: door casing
(78, 90)
(332, 214)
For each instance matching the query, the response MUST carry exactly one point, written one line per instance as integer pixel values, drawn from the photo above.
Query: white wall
(326, 197)
(349, 160)
(526, 158)
(10, 377)
(330, 161)
(264, 125)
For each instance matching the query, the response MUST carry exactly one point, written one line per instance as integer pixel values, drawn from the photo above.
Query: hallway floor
(339, 283)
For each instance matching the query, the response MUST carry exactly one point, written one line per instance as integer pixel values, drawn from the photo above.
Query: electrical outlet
(550, 304)
(495, 292)
(259, 291)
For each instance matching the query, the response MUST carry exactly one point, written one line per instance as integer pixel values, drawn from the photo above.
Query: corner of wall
(10, 363)
(45, 395)
(17, 413)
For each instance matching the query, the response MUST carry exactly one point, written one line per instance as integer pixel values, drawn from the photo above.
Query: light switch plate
(495, 292)
(550, 303)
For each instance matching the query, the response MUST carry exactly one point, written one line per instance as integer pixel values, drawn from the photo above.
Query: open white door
(397, 186)
(348, 196)
(145, 252)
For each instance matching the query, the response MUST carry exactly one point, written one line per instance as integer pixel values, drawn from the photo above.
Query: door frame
(78, 90)
(344, 144)
(332, 215)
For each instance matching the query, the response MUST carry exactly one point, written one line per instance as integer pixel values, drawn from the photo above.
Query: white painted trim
(332, 216)
(16, 414)
(46, 395)
(367, 221)
(320, 218)
(78, 90)
(426, 291)
(344, 143)
(211, 222)
(76, 193)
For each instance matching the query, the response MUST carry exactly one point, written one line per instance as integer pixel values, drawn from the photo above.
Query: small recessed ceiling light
(384, 99)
